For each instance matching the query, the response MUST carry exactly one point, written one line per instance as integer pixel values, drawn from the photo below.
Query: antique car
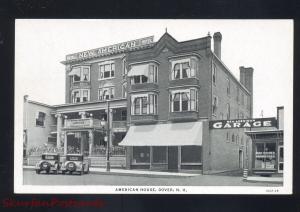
(75, 163)
(50, 162)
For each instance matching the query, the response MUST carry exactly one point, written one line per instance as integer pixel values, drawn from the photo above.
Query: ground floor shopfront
(166, 146)
(267, 151)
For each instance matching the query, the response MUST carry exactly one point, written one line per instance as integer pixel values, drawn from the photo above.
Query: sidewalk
(265, 179)
(127, 172)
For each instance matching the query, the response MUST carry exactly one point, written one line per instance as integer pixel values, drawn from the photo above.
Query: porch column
(65, 143)
(91, 142)
(58, 130)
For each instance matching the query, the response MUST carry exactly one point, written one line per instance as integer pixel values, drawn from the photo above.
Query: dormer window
(80, 74)
(143, 73)
(183, 68)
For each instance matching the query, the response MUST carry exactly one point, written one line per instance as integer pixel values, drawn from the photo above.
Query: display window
(265, 155)
(141, 154)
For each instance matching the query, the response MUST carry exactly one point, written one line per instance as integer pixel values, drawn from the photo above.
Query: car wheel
(47, 171)
(37, 171)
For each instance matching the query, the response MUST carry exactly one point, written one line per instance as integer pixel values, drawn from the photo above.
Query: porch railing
(37, 151)
(114, 151)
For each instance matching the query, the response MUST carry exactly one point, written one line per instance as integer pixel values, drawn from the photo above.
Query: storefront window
(265, 156)
(191, 154)
(159, 154)
(141, 154)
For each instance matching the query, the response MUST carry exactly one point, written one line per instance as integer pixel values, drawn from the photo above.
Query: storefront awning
(174, 134)
(138, 70)
(75, 71)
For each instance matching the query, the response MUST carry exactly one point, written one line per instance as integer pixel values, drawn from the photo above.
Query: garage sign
(243, 123)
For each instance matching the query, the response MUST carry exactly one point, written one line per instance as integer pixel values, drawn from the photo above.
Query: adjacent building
(160, 97)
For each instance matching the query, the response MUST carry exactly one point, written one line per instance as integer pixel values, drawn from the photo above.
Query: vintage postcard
(153, 106)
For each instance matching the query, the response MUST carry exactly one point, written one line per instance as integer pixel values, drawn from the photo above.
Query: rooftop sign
(243, 123)
(120, 47)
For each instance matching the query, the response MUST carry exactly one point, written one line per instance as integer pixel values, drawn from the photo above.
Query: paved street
(31, 178)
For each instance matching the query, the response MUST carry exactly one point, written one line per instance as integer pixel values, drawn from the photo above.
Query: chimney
(246, 77)
(217, 44)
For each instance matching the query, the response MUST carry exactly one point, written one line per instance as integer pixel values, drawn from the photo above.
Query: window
(232, 138)
(237, 139)
(145, 104)
(184, 68)
(227, 136)
(265, 155)
(80, 95)
(191, 154)
(243, 99)
(149, 76)
(106, 70)
(237, 94)
(242, 140)
(141, 154)
(159, 154)
(40, 119)
(106, 93)
(124, 67)
(214, 104)
(124, 90)
(228, 111)
(80, 74)
(214, 74)
(228, 86)
(184, 100)
(124, 115)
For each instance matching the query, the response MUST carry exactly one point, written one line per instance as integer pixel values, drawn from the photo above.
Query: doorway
(280, 159)
(241, 159)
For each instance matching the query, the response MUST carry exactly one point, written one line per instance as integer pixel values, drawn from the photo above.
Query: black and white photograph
(162, 106)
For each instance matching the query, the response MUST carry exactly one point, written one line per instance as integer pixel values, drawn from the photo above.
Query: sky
(265, 45)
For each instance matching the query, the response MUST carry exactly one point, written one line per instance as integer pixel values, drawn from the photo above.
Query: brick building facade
(161, 97)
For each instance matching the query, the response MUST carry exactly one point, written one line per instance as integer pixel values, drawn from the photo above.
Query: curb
(128, 174)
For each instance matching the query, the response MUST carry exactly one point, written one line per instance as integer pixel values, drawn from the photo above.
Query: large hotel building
(161, 96)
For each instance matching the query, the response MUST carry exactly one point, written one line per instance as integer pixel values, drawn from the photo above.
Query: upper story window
(144, 73)
(237, 93)
(184, 100)
(124, 90)
(214, 74)
(184, 68)
(106, 93)
(214, 104)
(80, 74)
(40, 119)
(228, 86)
(228, 111)
(80, 95)
(243, 99)
(106, 70)
(144, 104)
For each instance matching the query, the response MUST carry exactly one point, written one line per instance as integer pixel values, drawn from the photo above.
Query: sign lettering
(243, 123)
(125, 46)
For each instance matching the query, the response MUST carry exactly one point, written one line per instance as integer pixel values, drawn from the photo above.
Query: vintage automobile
(50, 162)
(75, 163)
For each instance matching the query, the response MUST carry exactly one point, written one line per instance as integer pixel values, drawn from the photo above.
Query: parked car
(75, 163)
(50, 162)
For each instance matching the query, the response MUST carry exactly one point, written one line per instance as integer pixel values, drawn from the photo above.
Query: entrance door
(280, 159)
(173, 158)
(241, 159)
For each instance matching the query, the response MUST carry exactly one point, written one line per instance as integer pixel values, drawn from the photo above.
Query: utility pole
(108, 137)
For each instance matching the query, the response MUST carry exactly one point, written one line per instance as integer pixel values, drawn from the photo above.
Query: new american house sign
(243, 123)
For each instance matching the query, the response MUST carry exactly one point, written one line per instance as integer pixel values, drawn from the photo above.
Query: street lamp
(107, 137)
